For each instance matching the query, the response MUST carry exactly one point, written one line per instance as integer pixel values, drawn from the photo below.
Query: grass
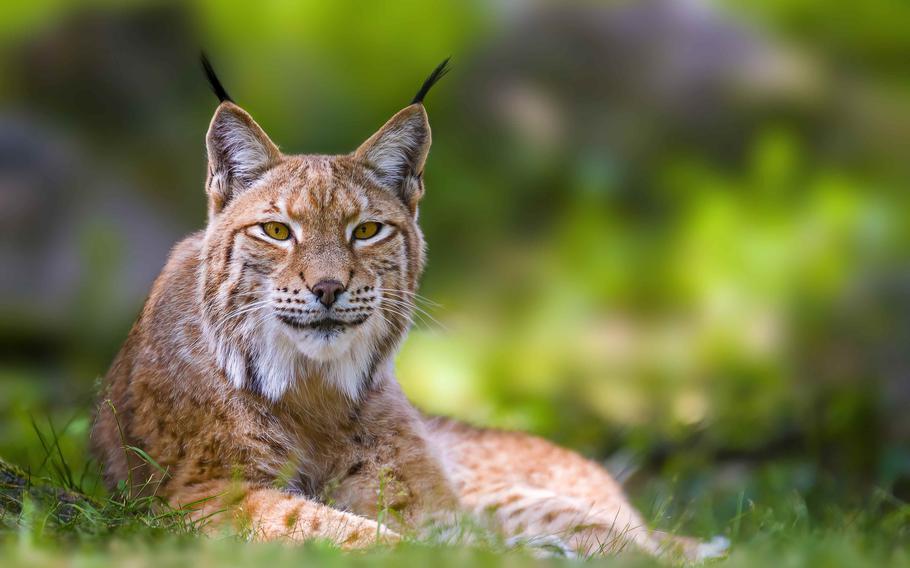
(830, 548)
(52, 517)
(39, 528)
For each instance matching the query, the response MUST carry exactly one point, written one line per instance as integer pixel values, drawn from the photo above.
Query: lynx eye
(367, 230)
(276, 230)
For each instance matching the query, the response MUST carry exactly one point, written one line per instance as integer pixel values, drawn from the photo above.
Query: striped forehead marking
(314, 186)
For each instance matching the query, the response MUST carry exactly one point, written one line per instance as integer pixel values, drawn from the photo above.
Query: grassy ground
(43, 522)
(818, 548)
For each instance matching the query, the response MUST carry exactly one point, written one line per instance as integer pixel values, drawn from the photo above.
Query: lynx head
(310, 262)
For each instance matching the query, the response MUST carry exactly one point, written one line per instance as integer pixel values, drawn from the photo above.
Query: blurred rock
(631, 78)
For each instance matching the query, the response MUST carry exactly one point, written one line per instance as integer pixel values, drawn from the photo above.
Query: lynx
(258, 380)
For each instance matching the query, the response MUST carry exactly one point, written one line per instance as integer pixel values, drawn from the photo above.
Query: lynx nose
(327, 291)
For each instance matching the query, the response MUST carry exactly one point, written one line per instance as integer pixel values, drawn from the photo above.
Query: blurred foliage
(670, 235)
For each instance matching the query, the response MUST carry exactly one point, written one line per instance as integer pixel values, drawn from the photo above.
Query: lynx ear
(239, 153)
(397, 152)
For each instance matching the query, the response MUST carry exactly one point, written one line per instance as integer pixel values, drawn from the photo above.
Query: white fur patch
(396, 150)
(717, 547)
(280, 358)
(246, 154)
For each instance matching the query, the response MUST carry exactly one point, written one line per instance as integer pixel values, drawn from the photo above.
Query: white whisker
(408, 305)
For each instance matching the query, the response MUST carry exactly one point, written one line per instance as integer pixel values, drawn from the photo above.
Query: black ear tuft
(434, 77)
(216, 85)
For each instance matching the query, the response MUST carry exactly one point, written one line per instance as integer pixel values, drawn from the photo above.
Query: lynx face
(310, 262)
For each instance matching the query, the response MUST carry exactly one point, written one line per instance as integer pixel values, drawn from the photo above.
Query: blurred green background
(671, 234)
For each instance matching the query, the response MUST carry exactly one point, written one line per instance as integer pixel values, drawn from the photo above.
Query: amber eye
(366, 230)
(276, 230)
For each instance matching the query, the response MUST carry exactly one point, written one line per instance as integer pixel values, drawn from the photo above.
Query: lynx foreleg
(267, 514)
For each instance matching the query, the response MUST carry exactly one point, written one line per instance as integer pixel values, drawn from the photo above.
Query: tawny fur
(294, 432)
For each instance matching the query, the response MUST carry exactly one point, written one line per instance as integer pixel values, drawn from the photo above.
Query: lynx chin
(259, 374)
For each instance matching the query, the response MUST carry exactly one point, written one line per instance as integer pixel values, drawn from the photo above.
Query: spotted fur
(280, 414)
